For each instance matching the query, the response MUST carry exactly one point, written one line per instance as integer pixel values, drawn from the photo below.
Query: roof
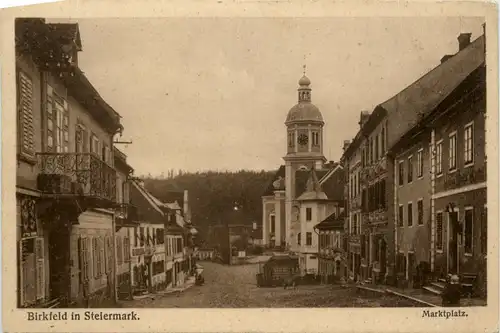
(476, 80)
(333, 184)
(304, 111)
(121, 161)
(332, 222)
(280, 174)
(423, 95)
(154, 202)
(313, 190)
(301, 177)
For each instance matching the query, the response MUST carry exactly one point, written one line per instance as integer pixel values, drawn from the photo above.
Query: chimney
(463, 40)
(346, 144)
(363, 118)
(446, 57)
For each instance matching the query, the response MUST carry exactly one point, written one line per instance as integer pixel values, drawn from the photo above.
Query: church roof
(301, 177)
(313, 190)
(279, 175)
(304, 111)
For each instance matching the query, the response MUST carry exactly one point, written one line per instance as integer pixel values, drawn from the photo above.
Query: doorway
(453, 243)
(59, 258)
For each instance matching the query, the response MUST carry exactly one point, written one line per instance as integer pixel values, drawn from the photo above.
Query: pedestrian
(452, 291)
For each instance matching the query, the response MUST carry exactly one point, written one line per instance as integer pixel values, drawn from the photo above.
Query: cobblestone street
(235, 287)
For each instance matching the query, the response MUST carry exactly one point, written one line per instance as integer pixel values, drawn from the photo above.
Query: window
(119, 250)
(439, 158)
(420, 209)
(141, 236)
(95, 258)
(468, 230)
(315, 138)
(371, 151)
(160, 238)
(401, 174)
(355, 224)
(452, 163)
(126, 249)
(273, 223)
(469, 144)
(439, 231)
(94, 144)
(61, 125)
(410, 169)
(382, 140)
(410, 214)
(291, 139)
(363, 161)
(299, 236)
(376, 147)
(308, 214)
(26, 128)
(401, 216)
(420, 163)
(308, 238)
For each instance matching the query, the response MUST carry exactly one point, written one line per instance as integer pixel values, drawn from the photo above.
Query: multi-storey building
(441, 178)
(332, 248)
(147, 241)
(379, 130)
(126, 220)
(66, 187)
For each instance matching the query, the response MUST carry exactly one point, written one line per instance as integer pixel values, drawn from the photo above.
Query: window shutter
(40, 268)
(25, 108)
(94, 257)
(49, 119)
(103, 258)
(65, 128)
(87, 258)
(81, 259)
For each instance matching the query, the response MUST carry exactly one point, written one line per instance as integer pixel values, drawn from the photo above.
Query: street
(235, 287)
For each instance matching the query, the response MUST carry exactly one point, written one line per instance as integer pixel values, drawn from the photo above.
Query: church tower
(304, 127)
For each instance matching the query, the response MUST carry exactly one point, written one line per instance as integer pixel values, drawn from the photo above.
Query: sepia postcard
(250, 166)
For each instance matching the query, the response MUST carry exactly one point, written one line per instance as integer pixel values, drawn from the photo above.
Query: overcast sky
(213, 93)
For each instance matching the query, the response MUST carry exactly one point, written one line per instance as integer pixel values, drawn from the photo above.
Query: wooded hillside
(213, 195)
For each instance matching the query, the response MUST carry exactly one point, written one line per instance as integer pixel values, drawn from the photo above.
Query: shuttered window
(119, 250)
(25, 110)
(95, 258)
(126, 248)
(109, 250)
(439, 231)
(40, 268)
(102, 257)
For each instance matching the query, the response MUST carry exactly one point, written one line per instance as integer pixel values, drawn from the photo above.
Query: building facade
(332, 266)
(449, 173)
(65, 179)
(378, 179)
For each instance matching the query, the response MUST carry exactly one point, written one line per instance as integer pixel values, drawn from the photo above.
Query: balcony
(464, 177)
(82, 175)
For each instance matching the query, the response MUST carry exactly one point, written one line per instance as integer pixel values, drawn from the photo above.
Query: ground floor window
(32, 271)
(439, 231)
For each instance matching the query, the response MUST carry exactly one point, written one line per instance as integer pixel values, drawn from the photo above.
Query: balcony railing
(83, 174)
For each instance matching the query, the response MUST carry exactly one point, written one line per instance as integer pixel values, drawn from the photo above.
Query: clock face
(303, 139)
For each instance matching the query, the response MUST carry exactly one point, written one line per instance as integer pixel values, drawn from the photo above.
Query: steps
(437, 287)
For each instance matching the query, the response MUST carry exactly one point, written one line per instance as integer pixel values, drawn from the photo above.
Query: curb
(412, 298)
(378, 291)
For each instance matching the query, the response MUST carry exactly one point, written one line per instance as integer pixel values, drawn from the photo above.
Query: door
(452, 245)
(59, 269)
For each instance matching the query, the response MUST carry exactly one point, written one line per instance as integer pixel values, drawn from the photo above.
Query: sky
(213, 93)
